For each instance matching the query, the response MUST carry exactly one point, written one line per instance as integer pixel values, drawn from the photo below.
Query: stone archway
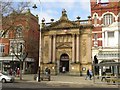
(64, 63)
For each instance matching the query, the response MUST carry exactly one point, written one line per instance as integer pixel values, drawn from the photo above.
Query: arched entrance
(64, 63)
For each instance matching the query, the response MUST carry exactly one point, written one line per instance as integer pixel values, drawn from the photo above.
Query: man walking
(87, 75)
(90, 74)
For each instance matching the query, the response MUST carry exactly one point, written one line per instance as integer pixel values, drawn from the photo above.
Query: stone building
(66, 45)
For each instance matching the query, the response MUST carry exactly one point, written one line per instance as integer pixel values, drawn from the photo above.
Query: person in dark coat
(87, 75)
(90, 74)
(47, 71)
(10, 72)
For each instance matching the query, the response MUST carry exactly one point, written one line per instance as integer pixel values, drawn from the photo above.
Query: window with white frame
(95, 19)
(111, 39)
(4, 34)
(95, 39)
(2, 48)
(95, 36)
(108, 19)
(16, 47)
(19, 30)
(1, 33)
(11, 47)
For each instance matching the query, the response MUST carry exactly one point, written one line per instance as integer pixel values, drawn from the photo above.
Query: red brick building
(20, 29)
(106, 33)
(103, 14)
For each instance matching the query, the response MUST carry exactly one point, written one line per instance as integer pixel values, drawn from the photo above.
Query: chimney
(93, 2)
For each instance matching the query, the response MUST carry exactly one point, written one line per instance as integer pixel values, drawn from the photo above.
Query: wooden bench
(112, 80)
(45, 77)
(42, 77)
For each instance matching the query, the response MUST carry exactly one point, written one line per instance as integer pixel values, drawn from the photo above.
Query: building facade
(66, 45)
(106, 32)
(21, 35)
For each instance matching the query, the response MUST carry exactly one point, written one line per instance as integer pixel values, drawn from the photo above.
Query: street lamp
(39, 43)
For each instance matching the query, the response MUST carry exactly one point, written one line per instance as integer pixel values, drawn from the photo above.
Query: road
(44, 86)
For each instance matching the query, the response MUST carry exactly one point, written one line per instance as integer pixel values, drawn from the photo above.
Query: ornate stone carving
(46, 48)
(84, 47)
(64, 38)
(64, 45)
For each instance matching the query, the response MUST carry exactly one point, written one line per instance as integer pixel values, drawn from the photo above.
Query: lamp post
(39, 68)
(12, 62)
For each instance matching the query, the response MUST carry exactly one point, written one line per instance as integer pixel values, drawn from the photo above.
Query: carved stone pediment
(64, 45)
(62, 24)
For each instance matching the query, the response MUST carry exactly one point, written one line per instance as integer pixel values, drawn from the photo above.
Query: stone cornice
(73, 27)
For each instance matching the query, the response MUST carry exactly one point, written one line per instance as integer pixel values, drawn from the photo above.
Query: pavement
(73, 81)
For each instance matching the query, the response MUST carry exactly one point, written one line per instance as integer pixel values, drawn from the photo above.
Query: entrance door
(64, 63)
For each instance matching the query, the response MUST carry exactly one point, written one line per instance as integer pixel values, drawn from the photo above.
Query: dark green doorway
(64, 63)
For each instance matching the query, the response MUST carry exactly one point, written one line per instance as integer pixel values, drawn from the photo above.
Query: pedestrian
(46, 71)
(63, 69)
(10, 71)
(90, 74)
(18, 72)
(87, 75)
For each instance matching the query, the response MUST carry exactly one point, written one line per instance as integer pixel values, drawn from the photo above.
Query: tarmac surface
(73, 81)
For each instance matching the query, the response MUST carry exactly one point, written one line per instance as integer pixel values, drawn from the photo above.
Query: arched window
(107, 19)
(4, 33)
(95, 40)
(95, 20)
(19, 31)
(1, 33)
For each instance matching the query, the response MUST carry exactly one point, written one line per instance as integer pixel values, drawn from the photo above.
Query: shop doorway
(64, 63)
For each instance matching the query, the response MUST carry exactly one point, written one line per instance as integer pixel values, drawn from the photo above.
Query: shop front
(7, 63)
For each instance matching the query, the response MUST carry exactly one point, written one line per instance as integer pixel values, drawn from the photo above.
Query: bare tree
(10, 15)
(21, 56)
(8, 8)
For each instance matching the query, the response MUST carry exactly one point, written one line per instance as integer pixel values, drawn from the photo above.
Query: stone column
(50, 48)
(77, 48)
(54, 48)
(73, 48)
(89, 47)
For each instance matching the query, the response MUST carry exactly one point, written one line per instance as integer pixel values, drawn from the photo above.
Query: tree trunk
(20, 70)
